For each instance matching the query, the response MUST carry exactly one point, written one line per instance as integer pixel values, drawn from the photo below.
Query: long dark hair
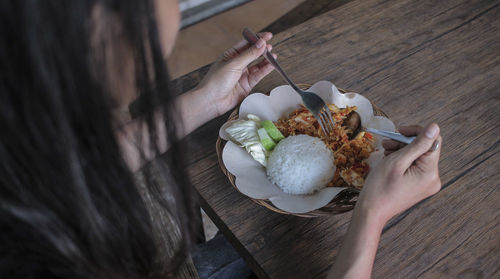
(68, 204)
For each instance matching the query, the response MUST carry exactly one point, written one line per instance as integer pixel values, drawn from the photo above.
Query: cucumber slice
(272, 131)
(266, 141)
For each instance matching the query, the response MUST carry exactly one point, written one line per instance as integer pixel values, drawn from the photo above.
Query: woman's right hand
(407, 175)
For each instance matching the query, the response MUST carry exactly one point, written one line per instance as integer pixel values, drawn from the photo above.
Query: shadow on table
(217, 259)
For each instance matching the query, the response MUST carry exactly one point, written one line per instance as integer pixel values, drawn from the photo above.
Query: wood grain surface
(420, 61)
(303, 12)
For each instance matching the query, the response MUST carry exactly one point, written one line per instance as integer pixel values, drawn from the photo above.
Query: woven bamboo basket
(343, 202)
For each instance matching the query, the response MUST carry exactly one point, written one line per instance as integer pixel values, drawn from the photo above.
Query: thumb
(429, 160)
(249, 55)
(424, 141)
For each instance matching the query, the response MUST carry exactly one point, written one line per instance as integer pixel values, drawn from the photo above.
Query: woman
(70, 206)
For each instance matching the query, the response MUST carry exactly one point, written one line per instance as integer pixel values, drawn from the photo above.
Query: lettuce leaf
(245, 134)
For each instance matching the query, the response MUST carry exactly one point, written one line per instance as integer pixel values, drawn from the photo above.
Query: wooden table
(420, 61)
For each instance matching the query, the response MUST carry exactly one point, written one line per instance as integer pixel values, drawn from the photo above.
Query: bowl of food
(273, 151)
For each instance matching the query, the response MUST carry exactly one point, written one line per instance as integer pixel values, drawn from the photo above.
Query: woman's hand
(229, 80)
(406, 176)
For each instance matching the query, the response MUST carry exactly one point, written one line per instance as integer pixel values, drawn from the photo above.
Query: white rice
(301, 165)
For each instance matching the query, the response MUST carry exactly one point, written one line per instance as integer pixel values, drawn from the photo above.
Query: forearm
(356, 256)
(192, 109)
(195, 109)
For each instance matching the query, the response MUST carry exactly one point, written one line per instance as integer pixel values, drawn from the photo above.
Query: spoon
(353, 128)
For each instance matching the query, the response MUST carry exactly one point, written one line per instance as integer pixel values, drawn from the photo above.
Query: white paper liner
(251, 178)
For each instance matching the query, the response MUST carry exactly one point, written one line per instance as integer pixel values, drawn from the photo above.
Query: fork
(311, 101)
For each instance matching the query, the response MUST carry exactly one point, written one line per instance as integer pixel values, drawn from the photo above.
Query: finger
(392, 145)
(265, 35)
(409, 131)
(229, 54)
(250, 54)
(429, 160)
(259, 71)
(259, 74)
(388, 152)
(259, 66)
(241, 46)
(410, 153)
(235, 50)
(264, 61)
(244, 45)
(253, 70)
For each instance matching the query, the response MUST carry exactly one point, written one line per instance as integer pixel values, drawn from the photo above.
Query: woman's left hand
(229, 80)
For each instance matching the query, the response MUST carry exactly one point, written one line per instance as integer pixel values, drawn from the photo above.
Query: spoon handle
(252, 38)
(391, 135)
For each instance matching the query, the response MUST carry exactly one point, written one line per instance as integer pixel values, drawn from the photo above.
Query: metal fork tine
(324, 125)
(329, 117)
(320, 121)
(325, 122)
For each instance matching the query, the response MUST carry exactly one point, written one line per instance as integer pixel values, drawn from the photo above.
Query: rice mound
(301, 165)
